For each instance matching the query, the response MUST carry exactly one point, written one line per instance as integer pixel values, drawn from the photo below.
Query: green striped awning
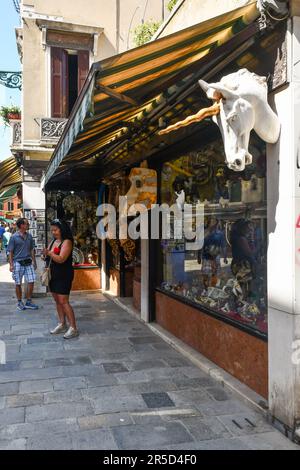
(124, 87)
(9, 173)
(9, 192)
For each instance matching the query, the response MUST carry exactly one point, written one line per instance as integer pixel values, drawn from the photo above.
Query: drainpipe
(118, 25)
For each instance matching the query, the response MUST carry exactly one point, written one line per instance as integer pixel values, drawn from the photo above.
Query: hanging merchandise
(78, 208)
(253, 190)
(129, 247)
(143, 189)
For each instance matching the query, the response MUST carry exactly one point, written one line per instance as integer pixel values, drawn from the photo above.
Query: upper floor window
(69, 69)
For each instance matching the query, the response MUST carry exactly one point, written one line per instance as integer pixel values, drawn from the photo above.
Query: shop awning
(122, 89)
(9, 173)
(8, 193)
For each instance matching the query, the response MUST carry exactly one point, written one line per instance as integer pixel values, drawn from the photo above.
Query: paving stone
(216, 444)
(186, 398)
(24, 400)
(246, 423)
(152, 386)
(31, 374)
(109, 404)
(144, 339)
(218, 393)
(50, 442)
(15, 431)
(13, 365)
(144, 418)
(131, 377)
(206, 428)
(104, 420)
(101, 380)
(63, 397)
(33, 386)
(10, 388)
(69, 383)
(157, 400)
(116, 391)
(272, 440)
(82, 370)
(143, 365)
(16, 444)
(114, 367)
(214, 408)
(82, 360)
(184, 383)
(59, 361)
(57, 411)
(11, 416)
(39, 340)
(177, 361)
(150, 437)
(32, 364)
(102, 439)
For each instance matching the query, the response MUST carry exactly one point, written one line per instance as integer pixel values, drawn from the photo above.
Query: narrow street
(117, 386)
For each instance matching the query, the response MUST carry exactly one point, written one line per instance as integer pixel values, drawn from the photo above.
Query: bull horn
(202, 114)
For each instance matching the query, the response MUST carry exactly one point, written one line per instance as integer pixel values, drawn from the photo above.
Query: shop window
(228, 275)
(69, 69)
(78, 208)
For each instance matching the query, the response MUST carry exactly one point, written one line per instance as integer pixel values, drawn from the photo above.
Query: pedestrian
(6, 237)
(13, 227)
(58, 257)
(2, 230)
(23, 263)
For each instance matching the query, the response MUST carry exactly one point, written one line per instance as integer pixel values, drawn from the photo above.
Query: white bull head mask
(240, 105)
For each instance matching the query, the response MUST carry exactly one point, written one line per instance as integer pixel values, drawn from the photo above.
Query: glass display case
(228, 275)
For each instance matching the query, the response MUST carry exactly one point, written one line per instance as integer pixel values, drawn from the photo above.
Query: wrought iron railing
(11, 79)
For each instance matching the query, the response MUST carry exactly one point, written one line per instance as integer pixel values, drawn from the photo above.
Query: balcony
(52, 129)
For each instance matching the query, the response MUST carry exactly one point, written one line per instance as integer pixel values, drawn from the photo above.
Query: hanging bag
(45, 276)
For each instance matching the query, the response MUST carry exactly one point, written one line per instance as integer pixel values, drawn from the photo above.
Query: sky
(9, 61)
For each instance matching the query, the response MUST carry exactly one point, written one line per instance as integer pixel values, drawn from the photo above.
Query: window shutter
(83, 68)
(59, 82)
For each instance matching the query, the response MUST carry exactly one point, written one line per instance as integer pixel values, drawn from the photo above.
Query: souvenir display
(228, 275)
(78, 208)
(36, 219)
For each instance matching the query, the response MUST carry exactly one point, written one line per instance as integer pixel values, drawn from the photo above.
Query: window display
(78, 208)
(228, 275)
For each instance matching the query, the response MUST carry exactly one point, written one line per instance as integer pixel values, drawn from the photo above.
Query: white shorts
(27, 272)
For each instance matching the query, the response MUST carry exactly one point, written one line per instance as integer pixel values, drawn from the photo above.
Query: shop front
(78, 208)
(217, 295)
(219, 298)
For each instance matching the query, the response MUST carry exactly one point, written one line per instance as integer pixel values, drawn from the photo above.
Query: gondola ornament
(240, 105)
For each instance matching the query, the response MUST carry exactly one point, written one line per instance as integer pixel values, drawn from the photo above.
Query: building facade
(57, 46)
(249, 328)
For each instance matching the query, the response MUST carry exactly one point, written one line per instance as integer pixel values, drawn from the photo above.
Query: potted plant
(10, 113)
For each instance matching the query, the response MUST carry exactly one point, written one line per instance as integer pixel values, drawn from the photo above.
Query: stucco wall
(191, 12)
(97, 13)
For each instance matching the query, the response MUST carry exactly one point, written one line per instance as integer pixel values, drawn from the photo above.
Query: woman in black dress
(59, 257)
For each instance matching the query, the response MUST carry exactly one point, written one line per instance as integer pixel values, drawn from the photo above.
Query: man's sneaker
(71, 333)
(60, 328)
(29, 305)
(21, 306)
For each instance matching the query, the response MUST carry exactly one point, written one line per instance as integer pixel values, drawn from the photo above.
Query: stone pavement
(117, 386)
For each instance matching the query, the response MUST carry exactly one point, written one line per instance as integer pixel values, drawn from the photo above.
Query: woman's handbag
(45, 277)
